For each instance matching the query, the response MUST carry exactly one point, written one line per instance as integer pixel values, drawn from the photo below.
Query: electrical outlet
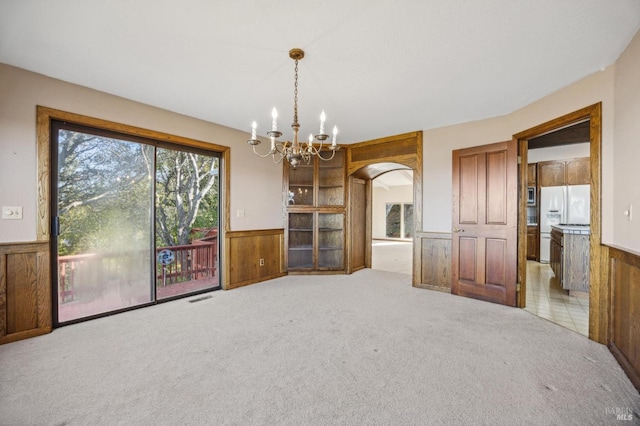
(12, 212)
(240, 213)
(261, 262)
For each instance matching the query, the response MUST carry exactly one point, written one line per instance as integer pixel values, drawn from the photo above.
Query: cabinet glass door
(331, 181)
(300, 185)
(330, 240)
(300, 240)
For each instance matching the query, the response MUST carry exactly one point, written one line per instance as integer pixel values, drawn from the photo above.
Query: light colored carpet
(361, 349)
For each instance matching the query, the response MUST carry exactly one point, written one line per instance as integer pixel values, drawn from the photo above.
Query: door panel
(102, 233)
(496, 188)
(484, 241)
(468, 260)
(468, 189)
(358, 228)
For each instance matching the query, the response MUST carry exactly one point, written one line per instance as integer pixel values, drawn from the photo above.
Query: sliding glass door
(133, 222)
(186, 222)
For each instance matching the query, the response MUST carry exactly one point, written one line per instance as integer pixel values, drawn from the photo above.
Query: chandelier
(295, 152)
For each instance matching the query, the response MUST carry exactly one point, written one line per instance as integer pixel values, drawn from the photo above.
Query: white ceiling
(377, 67)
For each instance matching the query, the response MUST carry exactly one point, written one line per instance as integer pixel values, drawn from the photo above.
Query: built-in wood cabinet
(531, 174)
(564, 172)
(578, 171)
(532, 243)
(316, 214)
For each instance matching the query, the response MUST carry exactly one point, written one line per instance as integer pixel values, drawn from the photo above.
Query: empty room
(286, 213)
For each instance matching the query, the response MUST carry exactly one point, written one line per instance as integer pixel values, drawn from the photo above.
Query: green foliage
(105, 190)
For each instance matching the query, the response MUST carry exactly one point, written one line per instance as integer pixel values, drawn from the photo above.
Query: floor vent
(199, 299)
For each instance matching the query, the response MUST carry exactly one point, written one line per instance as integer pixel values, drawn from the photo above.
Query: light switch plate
(12, 212)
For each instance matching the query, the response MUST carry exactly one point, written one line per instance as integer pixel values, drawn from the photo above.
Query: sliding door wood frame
(45, 115)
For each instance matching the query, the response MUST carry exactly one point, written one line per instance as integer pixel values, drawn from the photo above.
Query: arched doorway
(366, 161)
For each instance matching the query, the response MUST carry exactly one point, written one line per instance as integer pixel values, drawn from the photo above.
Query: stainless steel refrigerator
(561, 205)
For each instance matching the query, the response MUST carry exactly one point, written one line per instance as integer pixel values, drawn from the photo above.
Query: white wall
(255, 183)
(626, 162)
(382, 196)
(439, 144)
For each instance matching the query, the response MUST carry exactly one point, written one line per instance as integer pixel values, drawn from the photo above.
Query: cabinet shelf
(301, 248)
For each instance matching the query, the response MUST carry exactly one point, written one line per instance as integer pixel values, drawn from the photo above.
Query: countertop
(573, 229)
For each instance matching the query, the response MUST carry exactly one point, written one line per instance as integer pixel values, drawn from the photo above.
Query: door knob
(458, 230)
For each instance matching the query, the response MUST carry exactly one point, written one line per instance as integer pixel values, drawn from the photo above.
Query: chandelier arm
(270, 152)
(280, 156)
(327, 159)
(294, 151)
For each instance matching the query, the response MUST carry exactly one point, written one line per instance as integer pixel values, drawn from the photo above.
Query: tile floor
(546, 299)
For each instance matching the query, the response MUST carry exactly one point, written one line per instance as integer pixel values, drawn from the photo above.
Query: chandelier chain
(295, 95)
(294, 151)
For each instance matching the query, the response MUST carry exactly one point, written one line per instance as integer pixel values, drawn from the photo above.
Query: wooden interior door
(358, 225)
(484, 238)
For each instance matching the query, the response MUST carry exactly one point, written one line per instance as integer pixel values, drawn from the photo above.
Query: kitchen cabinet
(533, 247)
(578, 171)
(531, 174)
(575, 171)
(569, 257)
(316, 213)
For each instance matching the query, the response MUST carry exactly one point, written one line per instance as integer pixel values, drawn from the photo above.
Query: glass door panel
(301, 185)
(102, 223)
(393, 220)
(330, 240)
(187, 218)
(300, 241)
(407, 227)
(331, 181)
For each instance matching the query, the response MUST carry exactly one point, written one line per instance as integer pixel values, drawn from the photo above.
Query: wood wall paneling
(25, 290)
(435, 260)
(625, 305)
(244, 249)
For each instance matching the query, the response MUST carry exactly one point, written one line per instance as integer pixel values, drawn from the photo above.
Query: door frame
(370, 159)
(599, 292)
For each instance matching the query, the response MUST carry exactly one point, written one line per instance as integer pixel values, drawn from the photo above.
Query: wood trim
(624, 325)
(25, 290)
(243, 251)
(599, 294)
(393, 152)
(521, 296)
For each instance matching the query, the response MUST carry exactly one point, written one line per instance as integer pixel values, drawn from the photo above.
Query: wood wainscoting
(25, 290)
(243, 251)
(624, 328)
(435, 260)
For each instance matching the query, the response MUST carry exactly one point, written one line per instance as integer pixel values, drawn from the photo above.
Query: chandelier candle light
(294, 152)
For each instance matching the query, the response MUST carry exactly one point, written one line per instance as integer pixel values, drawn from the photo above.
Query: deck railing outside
(191, 262)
